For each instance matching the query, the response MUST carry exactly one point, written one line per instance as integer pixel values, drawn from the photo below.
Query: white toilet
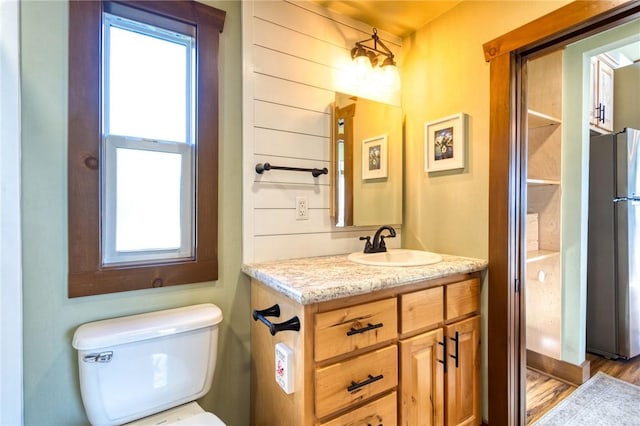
(149, 367)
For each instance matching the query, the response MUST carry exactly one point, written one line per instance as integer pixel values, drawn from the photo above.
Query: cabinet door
(593, 92)
(422, 379)
(605, 92)
(463, 373)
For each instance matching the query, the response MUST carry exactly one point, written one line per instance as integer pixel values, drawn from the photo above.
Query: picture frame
(374, 157)
(445, 143)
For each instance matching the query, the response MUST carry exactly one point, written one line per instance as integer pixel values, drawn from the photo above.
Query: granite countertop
(318, 279)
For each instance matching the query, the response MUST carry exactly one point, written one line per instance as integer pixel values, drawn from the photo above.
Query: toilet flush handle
(100, 357)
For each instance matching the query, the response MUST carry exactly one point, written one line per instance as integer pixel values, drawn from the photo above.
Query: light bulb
(391, 77)
(361, 71)
(362, 67)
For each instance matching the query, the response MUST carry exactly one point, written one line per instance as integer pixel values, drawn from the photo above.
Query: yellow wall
(443, 73)
(377, 201)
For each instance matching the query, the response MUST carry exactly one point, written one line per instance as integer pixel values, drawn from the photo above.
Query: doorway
(557, 164)
(506, 345)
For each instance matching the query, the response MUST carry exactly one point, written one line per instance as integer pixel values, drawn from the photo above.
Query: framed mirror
(367, 144)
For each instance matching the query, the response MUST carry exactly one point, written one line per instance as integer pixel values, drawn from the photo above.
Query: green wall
(51, 390)
(575, 182)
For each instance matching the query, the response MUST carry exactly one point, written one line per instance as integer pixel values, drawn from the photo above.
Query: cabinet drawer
(382, 411)
(421, 309)
(344, 383)
(462, 298)
(355, 327)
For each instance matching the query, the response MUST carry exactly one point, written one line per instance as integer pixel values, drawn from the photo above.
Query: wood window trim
(86, 274)
(505, 330)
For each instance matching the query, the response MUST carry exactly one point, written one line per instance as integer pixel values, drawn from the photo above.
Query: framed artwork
(374, 157)
(445, 143)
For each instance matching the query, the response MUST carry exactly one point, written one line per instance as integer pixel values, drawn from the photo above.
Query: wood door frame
(506, 348)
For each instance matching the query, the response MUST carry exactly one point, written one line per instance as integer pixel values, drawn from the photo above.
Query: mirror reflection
(367, 162)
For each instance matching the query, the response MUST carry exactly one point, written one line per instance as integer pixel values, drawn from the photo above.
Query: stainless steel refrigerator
(613, 268)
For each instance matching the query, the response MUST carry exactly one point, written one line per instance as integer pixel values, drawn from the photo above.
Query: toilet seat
(190, 414)
(202, 419)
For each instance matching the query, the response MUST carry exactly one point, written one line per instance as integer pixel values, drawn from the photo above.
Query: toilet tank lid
(133, 328)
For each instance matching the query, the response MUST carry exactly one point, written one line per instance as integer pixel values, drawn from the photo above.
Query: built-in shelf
(538, 119)
(533, 256)
(535, 181)
(543, 268)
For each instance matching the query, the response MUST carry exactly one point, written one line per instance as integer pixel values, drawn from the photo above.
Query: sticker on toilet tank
(284, 367)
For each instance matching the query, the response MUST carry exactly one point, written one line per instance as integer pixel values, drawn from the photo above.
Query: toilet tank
(134, 366)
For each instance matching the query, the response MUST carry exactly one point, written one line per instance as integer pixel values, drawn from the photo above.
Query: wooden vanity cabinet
(440, 368)
(372, 359)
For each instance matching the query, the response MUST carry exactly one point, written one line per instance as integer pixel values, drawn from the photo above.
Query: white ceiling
(399, 18)
(403, 17)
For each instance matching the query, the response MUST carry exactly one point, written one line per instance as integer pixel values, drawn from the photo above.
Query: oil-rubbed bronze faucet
(378, 244)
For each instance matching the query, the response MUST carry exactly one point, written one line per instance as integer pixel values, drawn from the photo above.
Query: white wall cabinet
(601, 83)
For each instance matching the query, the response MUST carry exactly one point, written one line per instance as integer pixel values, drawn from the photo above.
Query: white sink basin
(396, 257)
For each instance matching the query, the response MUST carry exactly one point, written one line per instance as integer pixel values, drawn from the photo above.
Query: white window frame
(111, 143)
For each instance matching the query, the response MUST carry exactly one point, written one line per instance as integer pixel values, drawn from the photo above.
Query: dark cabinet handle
(444, 352)
(292, 324)
(368, 381)
(456, 340)
(369, 326)
(600, 113)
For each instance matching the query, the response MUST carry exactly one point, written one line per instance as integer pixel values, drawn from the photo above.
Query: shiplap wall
(295, 55)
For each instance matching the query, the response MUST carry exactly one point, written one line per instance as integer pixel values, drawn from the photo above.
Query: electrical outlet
(302, 208)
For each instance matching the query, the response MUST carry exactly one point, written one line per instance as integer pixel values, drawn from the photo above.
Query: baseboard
(566, 371)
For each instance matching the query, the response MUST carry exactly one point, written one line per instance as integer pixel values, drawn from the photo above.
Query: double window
(142, 145)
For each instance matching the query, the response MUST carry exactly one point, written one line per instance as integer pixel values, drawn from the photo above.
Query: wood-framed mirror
(366, 159)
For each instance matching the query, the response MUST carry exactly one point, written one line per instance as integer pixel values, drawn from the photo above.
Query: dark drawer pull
(369, 326)
(370, 380)
(292, 324)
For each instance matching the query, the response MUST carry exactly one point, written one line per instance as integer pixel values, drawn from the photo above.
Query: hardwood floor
(544, 392)
(629, 371)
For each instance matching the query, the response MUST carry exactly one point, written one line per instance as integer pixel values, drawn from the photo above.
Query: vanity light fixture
(366, 58)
